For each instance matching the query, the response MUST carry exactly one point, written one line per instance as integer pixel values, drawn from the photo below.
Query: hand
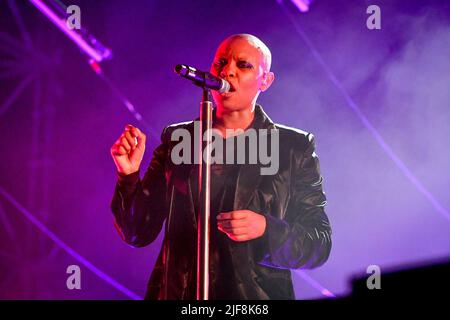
(128, 150)
(242, 225)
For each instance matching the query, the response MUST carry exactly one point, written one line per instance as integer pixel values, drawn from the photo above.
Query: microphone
(203, 79)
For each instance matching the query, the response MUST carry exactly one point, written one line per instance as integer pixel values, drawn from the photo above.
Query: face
(242, 65)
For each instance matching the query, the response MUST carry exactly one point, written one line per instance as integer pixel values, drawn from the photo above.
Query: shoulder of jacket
(294, 133)
(299, 140)
(187, 125)
(180, 125)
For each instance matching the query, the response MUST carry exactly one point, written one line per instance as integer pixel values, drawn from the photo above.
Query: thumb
(140, 137)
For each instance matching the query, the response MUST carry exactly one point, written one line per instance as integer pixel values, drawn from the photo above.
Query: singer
(261, 225)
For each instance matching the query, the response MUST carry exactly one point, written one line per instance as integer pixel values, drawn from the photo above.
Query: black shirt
(222, 273)
(223, 187)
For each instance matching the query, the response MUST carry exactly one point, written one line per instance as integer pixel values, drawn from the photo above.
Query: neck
(235, 119)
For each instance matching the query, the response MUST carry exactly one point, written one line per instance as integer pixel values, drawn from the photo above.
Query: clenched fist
(128, 150)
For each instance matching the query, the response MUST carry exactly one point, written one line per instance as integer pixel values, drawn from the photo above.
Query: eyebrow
(244, 58)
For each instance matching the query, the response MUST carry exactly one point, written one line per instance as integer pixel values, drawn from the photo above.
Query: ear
(267, 81)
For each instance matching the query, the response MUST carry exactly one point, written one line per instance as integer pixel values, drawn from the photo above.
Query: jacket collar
(260, 121)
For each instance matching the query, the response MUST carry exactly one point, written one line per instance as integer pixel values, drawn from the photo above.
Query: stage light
(302, 5)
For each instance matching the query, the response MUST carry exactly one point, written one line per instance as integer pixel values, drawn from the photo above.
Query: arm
(139, 206)
(303, 238)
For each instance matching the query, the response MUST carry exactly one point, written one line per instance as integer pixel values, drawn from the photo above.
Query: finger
(233, 223)
(234, 231)
(122, 150)
(124, 143)
(129, 127)
(132, 141)
(118, 150)
(139, 131)
(239, 238)
(239, 214)
(134, 131)
(141, 137)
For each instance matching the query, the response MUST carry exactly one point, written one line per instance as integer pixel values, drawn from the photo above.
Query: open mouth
(230, 91)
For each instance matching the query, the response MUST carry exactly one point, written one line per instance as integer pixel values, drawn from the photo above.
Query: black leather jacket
(298, 233)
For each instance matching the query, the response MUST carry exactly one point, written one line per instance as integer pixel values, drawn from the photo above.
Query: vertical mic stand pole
(204, 181)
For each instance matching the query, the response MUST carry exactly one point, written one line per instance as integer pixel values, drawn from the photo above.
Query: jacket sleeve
(302, 239)
(139, 206)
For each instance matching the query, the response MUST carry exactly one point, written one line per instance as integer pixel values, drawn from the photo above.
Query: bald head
(255, 42)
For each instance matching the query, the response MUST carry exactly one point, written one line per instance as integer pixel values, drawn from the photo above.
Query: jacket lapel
(248, 180)
(249, 176)
(192, 178)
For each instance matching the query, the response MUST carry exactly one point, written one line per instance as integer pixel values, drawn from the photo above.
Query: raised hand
(128, 151)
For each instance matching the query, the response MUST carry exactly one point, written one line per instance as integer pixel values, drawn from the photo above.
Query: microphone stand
(204, 80)
(204, 184)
